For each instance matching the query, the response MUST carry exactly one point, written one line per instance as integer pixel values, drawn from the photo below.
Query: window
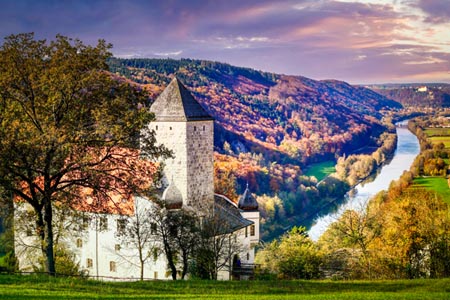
(103, 224)
(252, 230)
(79, 243)
(246, 231)
(89, 263)
(195, 128)
(156, 127)
(170, 128)
(155, 275)
(248, 256)
(121, 225)
(112, 266)
(203, 127)
(117, 247)
(153, 228)
(85, 223)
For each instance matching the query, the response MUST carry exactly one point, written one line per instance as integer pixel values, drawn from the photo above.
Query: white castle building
(184, 127)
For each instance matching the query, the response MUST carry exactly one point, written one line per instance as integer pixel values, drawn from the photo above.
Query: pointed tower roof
(176, 103)
(247, 201)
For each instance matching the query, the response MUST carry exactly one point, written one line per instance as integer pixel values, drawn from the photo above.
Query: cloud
(168, 54)
(360, 40)
(437, 11)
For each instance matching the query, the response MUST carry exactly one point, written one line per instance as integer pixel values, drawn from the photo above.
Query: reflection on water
(407, 149)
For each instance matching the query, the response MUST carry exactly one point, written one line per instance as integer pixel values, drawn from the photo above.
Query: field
(33, 287)
(439, 135)
(320, 170)
(438, 184)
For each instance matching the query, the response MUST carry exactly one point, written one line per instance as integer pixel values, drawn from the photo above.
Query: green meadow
(321, 170)
(437, 184)
(39, 287)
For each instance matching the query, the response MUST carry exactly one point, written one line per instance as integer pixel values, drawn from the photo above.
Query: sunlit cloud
(352, 40)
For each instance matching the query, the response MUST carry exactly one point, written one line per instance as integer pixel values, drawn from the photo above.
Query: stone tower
(184, 127)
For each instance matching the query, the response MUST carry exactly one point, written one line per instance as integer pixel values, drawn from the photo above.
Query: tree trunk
(185, 264)
(48, 217)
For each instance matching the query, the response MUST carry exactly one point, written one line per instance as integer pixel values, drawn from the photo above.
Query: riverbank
(403, 157)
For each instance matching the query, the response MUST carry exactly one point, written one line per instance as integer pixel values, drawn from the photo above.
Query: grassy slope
(438, 184)
(321, 170)
(32, 287)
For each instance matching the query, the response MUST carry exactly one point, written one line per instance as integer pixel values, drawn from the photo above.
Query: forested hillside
(269, 127)
(416, 95)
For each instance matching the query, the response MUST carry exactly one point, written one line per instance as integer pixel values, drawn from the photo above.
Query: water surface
(407, 149)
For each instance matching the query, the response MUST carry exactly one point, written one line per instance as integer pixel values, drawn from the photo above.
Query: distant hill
(270, 126)
(416, 95)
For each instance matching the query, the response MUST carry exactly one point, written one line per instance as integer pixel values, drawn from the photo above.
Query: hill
(270, 126)
(416, 95)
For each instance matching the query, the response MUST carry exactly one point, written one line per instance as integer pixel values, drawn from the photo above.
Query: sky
(361, 42)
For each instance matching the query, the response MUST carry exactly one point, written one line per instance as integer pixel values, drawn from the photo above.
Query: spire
(176, 103)
(247, 201)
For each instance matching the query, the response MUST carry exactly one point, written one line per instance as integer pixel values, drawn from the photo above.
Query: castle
(186, 129)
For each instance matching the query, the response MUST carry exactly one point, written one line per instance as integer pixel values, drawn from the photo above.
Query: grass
(321, 170)
(439, 135)
(437, 132)
(437, 184)
(38, 287)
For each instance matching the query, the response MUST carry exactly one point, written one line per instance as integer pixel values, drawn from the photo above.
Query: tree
(68, 126)
(217, 246)
(177, 231)
(294, 255)
(139, 234)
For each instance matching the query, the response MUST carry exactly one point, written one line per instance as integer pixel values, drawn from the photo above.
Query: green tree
(295, 255)
(64, 122)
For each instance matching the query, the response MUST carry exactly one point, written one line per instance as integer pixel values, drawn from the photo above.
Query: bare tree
(218, 245)
(138, 233)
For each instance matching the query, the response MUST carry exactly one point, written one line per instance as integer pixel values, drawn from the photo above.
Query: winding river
(407, 149)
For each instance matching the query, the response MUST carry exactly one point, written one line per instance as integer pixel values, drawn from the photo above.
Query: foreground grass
(437, 184)
(37, 287)
(321, 170)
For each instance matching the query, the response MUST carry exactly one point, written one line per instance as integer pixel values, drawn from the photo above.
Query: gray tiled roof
(230, 214)
(176, 103)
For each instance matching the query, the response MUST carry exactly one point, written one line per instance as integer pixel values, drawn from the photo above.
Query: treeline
(432, 159)
(355, 168)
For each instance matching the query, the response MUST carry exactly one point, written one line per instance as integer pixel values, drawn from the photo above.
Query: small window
(153, 228)
(246, 231)
(112, 266)
(117, 247)
(155, 275)
(195, 128)
(103, 223)
(79, 243)
(252, 230)
(170, 128)
(248, 256)
(85, 223)
(121, 225)
(203, 127)
(156, 127)
(89, 263)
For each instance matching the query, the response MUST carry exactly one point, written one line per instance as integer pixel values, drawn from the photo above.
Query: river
(407, 149)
